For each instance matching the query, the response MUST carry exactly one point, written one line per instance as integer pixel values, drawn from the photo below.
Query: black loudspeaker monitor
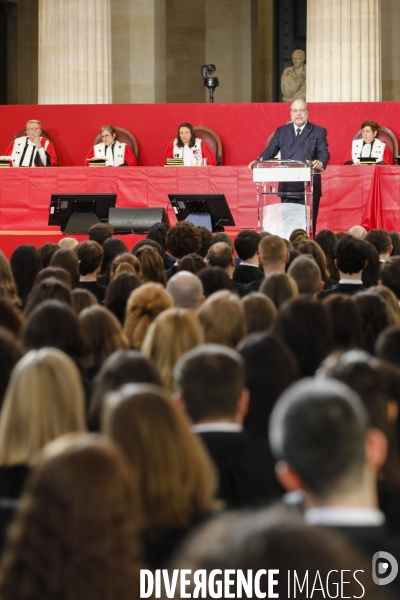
(210, 210)
(136, 220)
(76, 213)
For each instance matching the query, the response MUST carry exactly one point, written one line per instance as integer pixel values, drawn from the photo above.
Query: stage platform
(352, 195)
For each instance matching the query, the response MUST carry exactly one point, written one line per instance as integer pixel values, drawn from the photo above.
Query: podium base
(282, 219)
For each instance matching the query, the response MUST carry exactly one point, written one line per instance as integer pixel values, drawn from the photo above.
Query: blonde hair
(103, 332)
(33, 121)
(223, 319)
(124, 267)
(143, 306)
(174, 332)
(126, 257)
(7, 281)
(175, 475)
(68, 243)
(44, 400)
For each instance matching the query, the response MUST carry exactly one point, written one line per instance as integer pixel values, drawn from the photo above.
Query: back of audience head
(118, 292)
(206, 241)
(90, 255)
(186, 290)
(68, 260)
(46, 251)
(148, 243)
(273, 253)
(192, 263)
(53, 272)
(297, 236)
(81, 299)
(346, 321)
(279, 287)
(351, 255)
(222, 236)
(387, 345)
(67, 243)
(374, 317)
(112, 247)
(172, 333)
(307, 275)
(183, 238)
(7, 281)
(215, 279)
(10, 353)
(304, 325)
(123, 366)
(103, 332)
(392, 304)
(318, 429)
(158, 233)
(25, 265)
(44, 400)
(370, 274)
(222, 318)
(144, 304)
(315, 251)
(79, 510)
(327, 240)
(210, 382)
(10, 316)
(48, 289)
(358, 232)
(56, 325)
(220, 255)
(151, 265)
(259, 312)
(175, 475)
(125, 257)
(389, 274)
(266, 357)
(395, 237)
(381, 240)
(100, 232)
(246, 244)
(292, 254)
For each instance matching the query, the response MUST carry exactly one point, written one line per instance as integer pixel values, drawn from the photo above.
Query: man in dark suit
(211, 387)
(320, 436)
(303, 141)
(350, 258)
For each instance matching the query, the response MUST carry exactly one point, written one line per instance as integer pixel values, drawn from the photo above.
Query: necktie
(298, 132)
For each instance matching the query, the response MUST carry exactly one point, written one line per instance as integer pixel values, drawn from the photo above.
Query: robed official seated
(368, 149)
(111, 151)
(189, 148)
(32, 149)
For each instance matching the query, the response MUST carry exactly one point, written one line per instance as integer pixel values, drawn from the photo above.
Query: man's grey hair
(186, 290)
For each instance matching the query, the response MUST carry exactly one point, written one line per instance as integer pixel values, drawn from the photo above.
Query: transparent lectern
(279, 182)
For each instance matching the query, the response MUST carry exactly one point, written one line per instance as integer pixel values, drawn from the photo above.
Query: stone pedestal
(74, 52)
(343, 51)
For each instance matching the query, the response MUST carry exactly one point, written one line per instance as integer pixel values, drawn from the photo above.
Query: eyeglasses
(301, 110)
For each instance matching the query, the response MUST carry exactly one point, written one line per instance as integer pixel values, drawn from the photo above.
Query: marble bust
(293, 80)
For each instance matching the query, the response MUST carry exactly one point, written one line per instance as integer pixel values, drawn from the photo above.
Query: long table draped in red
(352, 195)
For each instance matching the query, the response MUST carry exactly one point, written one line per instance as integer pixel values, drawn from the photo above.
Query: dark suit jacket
(254, 286)
(246, 274)
(311, 145)
(245, 468)
(342, 288)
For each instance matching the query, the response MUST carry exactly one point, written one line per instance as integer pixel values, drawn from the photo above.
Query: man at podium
(303, 141)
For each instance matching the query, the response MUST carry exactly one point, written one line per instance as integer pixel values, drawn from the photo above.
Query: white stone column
(74, 52)
(343, 50)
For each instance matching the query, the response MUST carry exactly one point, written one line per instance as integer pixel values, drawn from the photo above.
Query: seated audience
(387, 345)
(246, 246)
(158, 233)
(320, 437)
(118, 154)
(100, 232)
(221, 255)
(368, 147)
(215, 279)
(374, 317)
(193, 263)
(304, 325)
(222, 236)
(358, 232)
(44, 400)
(169, 466)
(112, 247)
(183, 238)
(25, 265)
(395, 237)
(32, 150)
(274, 256)
(104, 334)
(186, 290)
(347, 325)
(382, 242)
(48, 289)
(279, 287)
(222, 318)
(206, 241)
(123, 366)
(172, 333)
(68, 243)
(270, 368)
(190, 148)
(81, 299)
(350, 259)
(392, 304)
(53, 273)
(259, 312)
(90, 255)
(75, 534)
(370, 273)
(389, 274)
(11, 317)
(327, 240)
(7, 282)
(126, 257)
(144, 304)
(46, 251)
(10, 353)
(118, 292)
(151, 265)
(211, 387)
(68, 260)
(307, 275)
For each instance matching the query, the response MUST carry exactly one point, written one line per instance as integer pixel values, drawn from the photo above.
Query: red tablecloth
(352, 195)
